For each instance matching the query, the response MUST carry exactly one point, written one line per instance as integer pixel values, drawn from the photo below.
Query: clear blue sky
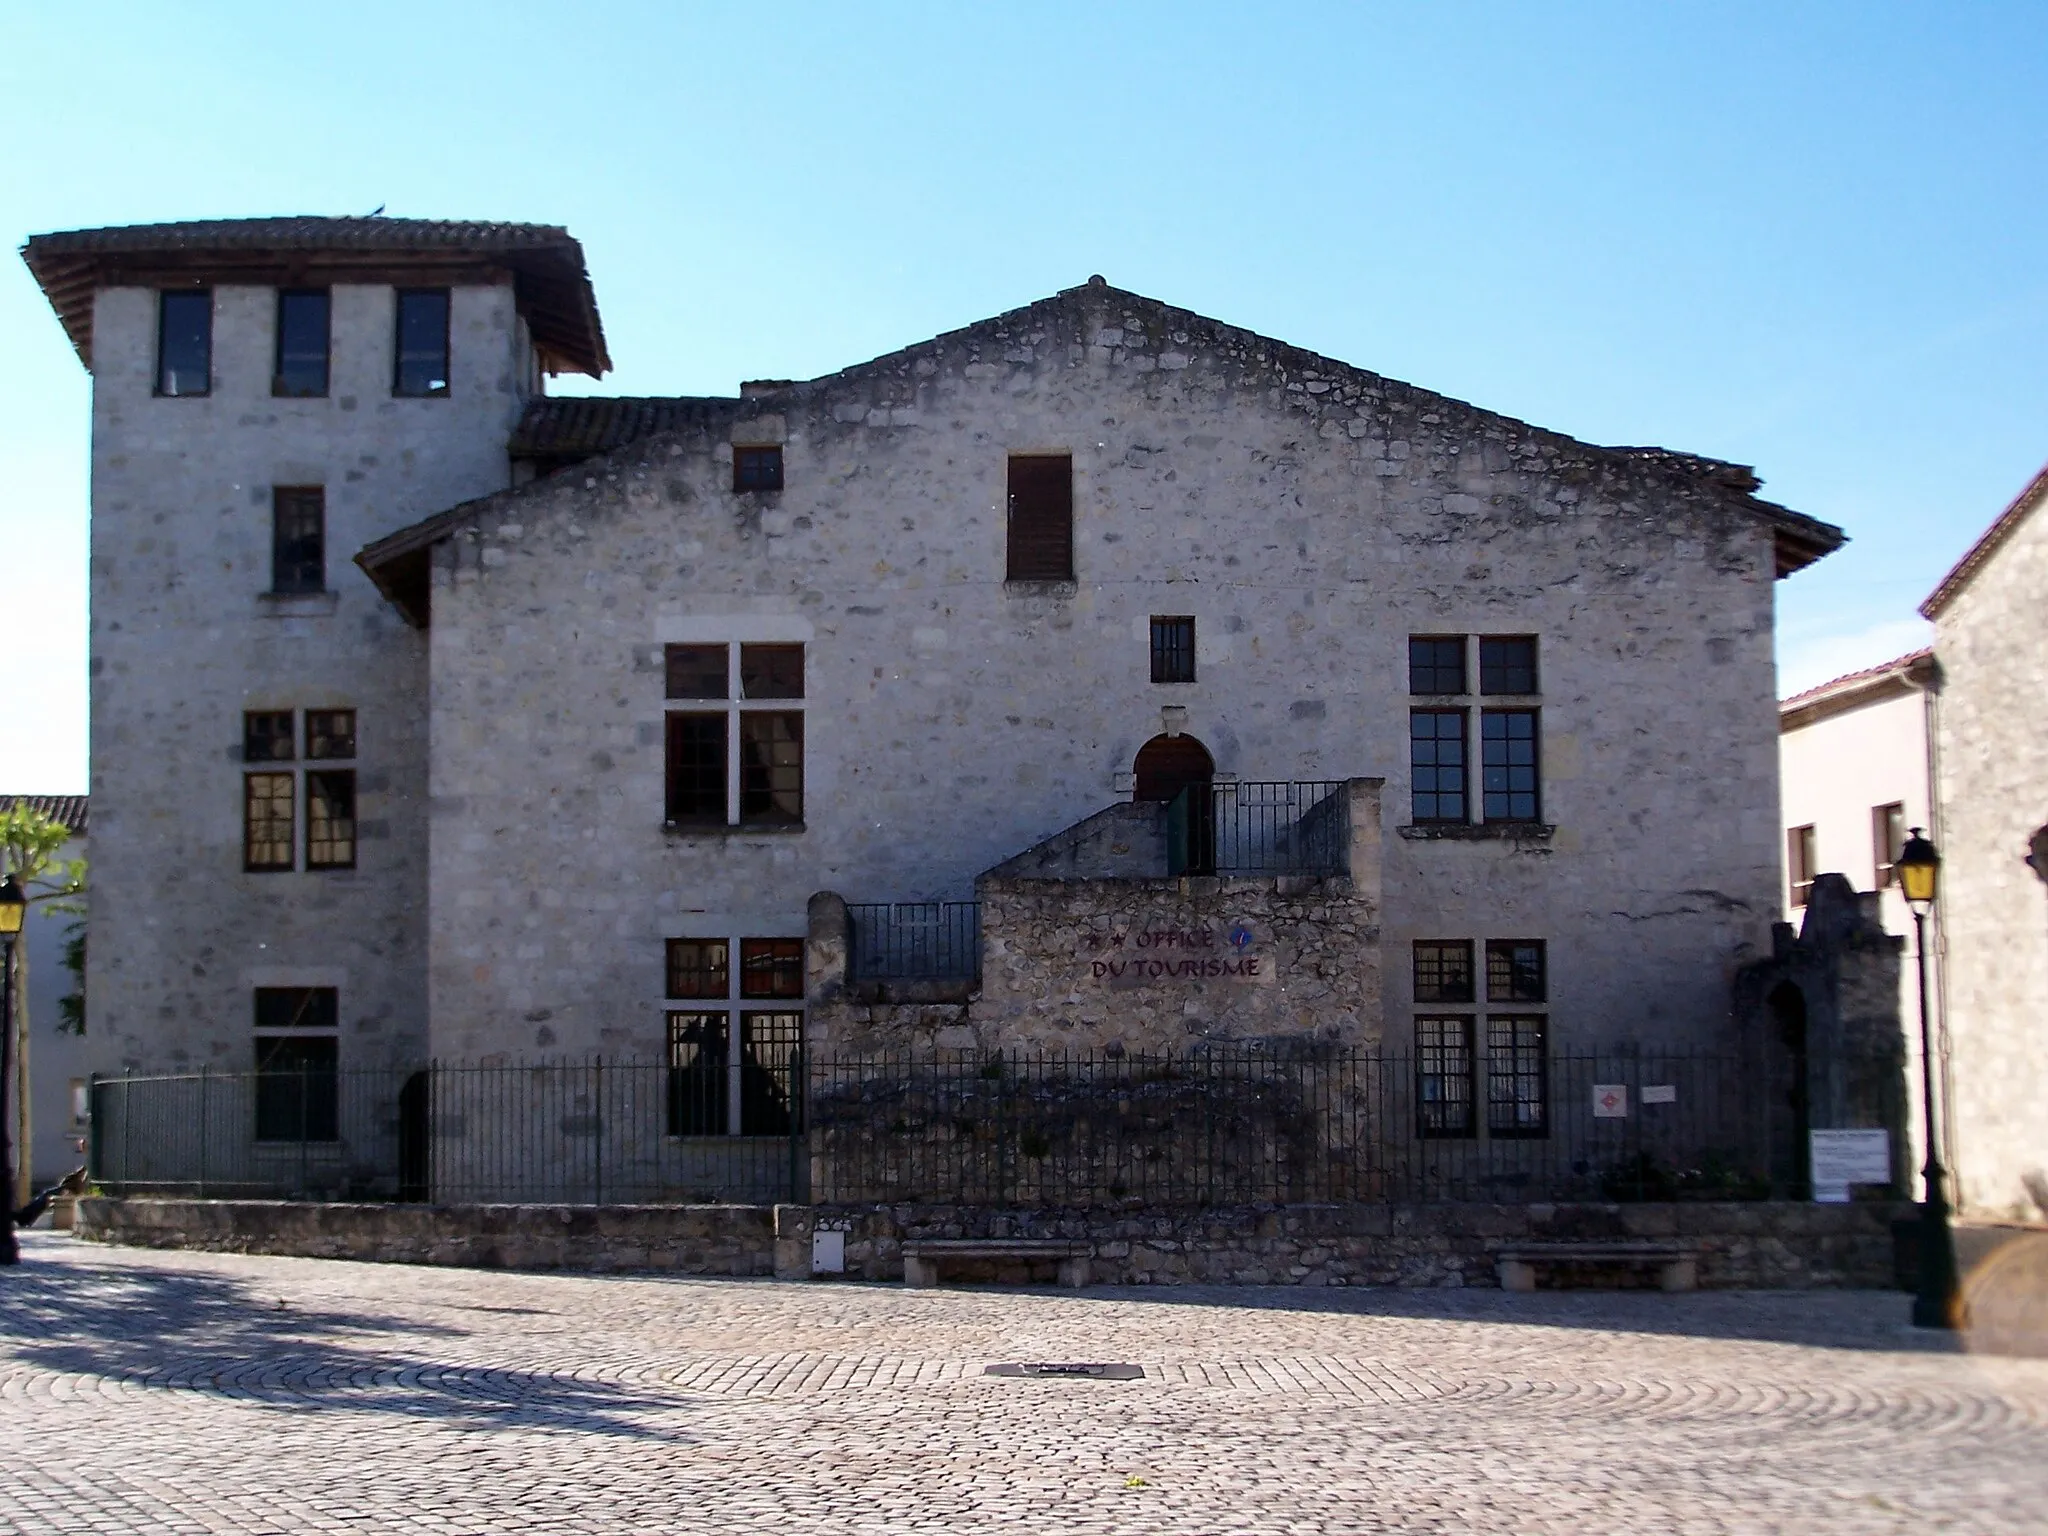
(1808, 238)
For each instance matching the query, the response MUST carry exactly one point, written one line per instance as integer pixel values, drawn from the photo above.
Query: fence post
(95, 1156)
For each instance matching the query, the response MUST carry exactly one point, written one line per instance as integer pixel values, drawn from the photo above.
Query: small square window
(757, 469)
(698, 672)
(771, 967)
(330, 733)
(302, 342)
(267, 736)
(1173, 650)
(699, 968)
(1436, 664)
(184, 342)
(1507, 664)
(1443, 971)
(771, 671)
(1515, 971)
(422, 352)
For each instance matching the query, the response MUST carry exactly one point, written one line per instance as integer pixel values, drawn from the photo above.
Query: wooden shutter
(1041, 546)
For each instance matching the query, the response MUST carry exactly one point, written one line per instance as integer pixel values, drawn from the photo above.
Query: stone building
(1365, 713)
(1991, 771)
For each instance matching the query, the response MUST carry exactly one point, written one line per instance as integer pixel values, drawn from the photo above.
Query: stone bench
(1678, 1268)
(923, 1256)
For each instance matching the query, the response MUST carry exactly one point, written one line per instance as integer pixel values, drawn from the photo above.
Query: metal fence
(915, 940)
(1212, 1127)
(1259, 828)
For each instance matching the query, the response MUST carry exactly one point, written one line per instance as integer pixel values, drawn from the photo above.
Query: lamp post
(1936, 1305)
(13, 908)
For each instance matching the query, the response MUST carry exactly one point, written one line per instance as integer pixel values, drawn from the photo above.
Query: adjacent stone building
(1462, 729)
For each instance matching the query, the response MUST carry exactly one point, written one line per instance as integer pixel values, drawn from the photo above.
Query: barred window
(771, 967)
(1507, 664)
(1173, 649)
(1443, 970)
(771, 768)
(331, 818)
(699, 968)
(1443, 1077)
(768, 1047)
(1508, 765)
(1515, 971)
(1436, 757)
(1436, 664)
(266, 821)
(1517, 1089)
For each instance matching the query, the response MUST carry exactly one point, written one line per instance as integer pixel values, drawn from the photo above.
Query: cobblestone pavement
(176, 1392)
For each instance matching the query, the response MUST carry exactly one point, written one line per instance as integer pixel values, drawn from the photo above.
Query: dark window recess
(1041, 519)
(184, 343)
(422, 342)
(1443, 1077)
(330, 733)
(697, 1091)
(771, 671)
(302, 343)
(331, 818)
(1887, 841)
(696, 671)
(1436, 664)
(267, 736)
(1173, 650)
(771, 968)
(1507, 765)
(298, 1095)
(768, 1046)
(1507, 664)
(1436, 760)
(1800, 862)
(1443, 971)
(699, 968)
(771, 768)
(297, 1008)
(757, 469)
(266, 821)
(298, 540)
(1515, 971)
(696, 769)
(1517, 1090)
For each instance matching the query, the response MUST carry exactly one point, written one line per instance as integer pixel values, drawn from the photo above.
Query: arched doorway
(1166, 765)
(1787, 1113)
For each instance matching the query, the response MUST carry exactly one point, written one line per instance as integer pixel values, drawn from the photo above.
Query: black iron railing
(1259, 828)
(915, 940)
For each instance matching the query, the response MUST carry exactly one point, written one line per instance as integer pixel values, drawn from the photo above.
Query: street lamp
(13, 908)
(1936, 1305)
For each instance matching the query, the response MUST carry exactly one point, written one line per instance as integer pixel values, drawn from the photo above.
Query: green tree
(30, 843)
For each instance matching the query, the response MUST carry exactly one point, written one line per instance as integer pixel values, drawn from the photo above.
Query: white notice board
(1842, 1158)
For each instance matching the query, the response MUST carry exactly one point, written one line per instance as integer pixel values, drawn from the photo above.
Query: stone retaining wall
(1740, 1244)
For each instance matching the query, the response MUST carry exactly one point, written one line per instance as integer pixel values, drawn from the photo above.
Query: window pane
(757, 469)
(696, 768)
(298, 539)
(1799, 863)
(267, 736)
(1443, 971)
(697, 1091)
(330, 733)
(1041, 521)
(297, 1091)
(696, 671)
(771, 768)
(1516, 1090)
(301, 342)
(1507, 664)
(184, 350)
(1443, 1077)
(771, 967)
(1514, 971)
(1508, 764)
(266, 821)
(422, 342)
(698, 968)
(1436, 664)
(1173, 650)
(331, 819)
(297, 1008)
(771, 671)
(1887, 841)
(1436, 758)
(768, 1046)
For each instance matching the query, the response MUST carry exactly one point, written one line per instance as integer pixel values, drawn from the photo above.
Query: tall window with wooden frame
(272, 784)
(1887, 842)
(298, 540)
(330, 791)
(1442, 975)
(1517, 1059)
(1800, 862)
(303, 331)
(184, 342)
(730, 761)
(297, 1038)
(1041, 518)
(420, 363)
(268, 792)
(733, 1041)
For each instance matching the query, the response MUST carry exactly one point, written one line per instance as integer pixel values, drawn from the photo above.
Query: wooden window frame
(678, 725)
(261, 790)
(290, 568)
(1451, 1065)
(1425, 806)
(1173, 648)
(1039, 537)
(1887, 841)
(1517, 1076)
(1509, 981)
(756, 467)
(331, 833)
(1498, 805)
(731, 1055)
(1496, 672)
(1434, 982)
(279, 386)
(1802, 853)
(699, 969)
(164, 297)
(772, 969)
(398, 389)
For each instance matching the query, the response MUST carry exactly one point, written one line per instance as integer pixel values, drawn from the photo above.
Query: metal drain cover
(1067, 1368)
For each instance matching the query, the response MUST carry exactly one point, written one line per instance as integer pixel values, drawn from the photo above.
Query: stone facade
(1991, 637)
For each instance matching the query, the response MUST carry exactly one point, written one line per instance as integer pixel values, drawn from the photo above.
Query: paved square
(173, 1392)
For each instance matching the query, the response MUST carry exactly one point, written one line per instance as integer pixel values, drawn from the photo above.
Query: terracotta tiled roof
(580, 426)
(1850, 680)
(554, 289)
(69, 809)
(2008, 522)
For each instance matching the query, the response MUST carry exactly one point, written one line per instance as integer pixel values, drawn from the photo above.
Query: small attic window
(757, 469)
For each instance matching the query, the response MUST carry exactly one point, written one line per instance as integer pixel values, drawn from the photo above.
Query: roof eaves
(2002, 528)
